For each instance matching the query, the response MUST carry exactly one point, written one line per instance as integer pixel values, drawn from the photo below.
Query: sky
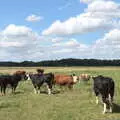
(36, 30)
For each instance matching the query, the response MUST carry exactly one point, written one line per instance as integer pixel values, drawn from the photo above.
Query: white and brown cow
(65, 80)
(84, 77)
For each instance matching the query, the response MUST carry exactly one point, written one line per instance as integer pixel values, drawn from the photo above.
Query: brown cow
(20, 72)
(65, 80)
(84, 77)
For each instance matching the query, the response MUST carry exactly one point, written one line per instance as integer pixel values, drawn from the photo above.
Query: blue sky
(44, 30)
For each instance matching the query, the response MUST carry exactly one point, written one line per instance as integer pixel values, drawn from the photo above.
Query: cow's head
(75, 78)
(29, 75)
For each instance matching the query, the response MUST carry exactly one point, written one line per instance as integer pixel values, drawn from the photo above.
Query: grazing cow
(105, 87)
(11, 80)
(84, 77)
(38, 80)
(65, 80)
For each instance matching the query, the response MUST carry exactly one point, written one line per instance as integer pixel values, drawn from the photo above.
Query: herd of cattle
(102, 85)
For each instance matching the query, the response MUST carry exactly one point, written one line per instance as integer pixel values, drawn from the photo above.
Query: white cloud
(90, 1)
(99, 15)
(103, 6)
(13, 30)
(108, 47)
(28, 45)
(104, 9)
(77, 25)
(11, 44)
(16, 41)
(57, 39)
(86, 1)
(33, 18)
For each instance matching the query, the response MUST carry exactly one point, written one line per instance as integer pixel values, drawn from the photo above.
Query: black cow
(105, 87)
(38, 80)
(11, 80)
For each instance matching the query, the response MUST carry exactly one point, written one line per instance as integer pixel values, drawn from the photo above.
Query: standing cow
(39, 79)
(84, 77)
(105, 87)
(11, 80)
(66, 80)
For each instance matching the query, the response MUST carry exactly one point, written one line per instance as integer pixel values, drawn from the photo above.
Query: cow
(11, 80)
(84, 77)
(65, 80)
(105, 87)
(39, 79)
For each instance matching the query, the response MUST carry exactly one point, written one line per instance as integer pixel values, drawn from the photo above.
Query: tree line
(63, 62)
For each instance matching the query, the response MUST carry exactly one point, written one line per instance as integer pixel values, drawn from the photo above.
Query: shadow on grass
(53, 92)
(116, 108)
(18, 92)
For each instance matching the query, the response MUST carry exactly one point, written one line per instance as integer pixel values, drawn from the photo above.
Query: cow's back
(5, 79)
(104, 83)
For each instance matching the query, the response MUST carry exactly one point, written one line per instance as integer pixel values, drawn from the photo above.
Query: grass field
(78, 104)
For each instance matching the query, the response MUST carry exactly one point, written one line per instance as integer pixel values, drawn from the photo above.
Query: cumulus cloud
(108, 47)
(16, 41)
(98, 15)
(104, 9)
(19, 43)
(77, 25)
(33, 18)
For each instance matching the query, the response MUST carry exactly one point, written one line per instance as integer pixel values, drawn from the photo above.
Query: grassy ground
(78, 104)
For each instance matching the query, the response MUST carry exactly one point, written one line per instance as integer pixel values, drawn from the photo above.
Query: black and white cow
(105, 87)
(38, 80)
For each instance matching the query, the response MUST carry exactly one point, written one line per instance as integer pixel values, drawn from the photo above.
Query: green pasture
(76, 104)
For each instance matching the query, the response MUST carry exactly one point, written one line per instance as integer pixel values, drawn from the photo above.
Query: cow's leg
(4, 89)
(97, 99)
(49, 87)
(70, 86)
(97, 94)
(111, 95)
(61, 88)
(105, 108)
(1, 90)
(110, 102)
(105, 103)
(39, 89)
(35, 89)
(111, 108)
(14, 88)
